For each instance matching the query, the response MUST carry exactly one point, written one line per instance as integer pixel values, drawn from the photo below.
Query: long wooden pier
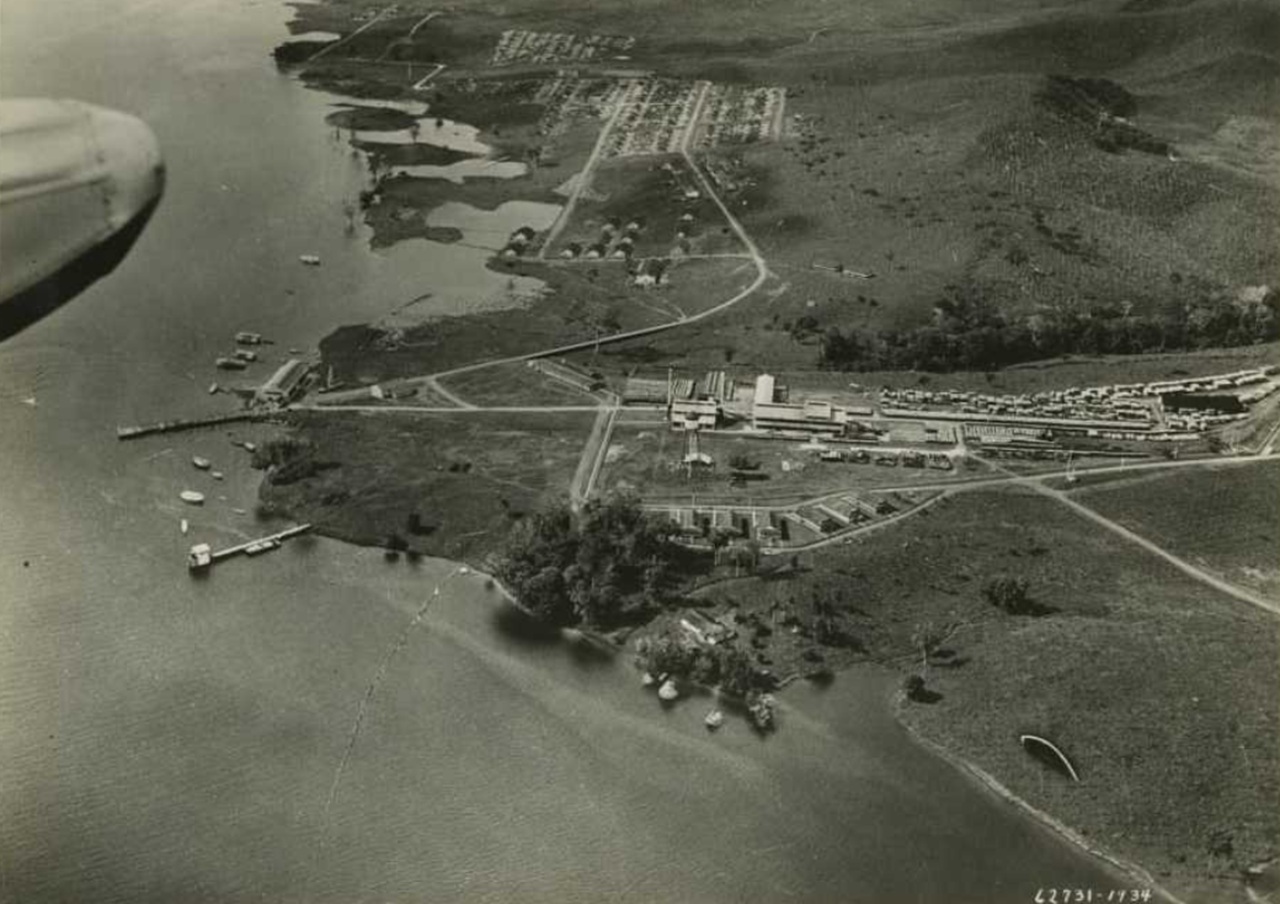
(202, 556)
(176, 424)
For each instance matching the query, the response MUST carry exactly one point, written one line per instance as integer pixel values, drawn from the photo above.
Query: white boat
(714, 719)
(312, 260)
(245, 354)
(668, 691)
(213, 388)
(250, 447)
(249, 338)
(184, 526)
(230, 363)
(191, 497)
(201, 463)
(216, 475)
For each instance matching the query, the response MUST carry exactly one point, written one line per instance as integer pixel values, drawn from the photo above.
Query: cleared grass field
(1224, 520)
(514, 385)
(466, 477)
(1162, 692)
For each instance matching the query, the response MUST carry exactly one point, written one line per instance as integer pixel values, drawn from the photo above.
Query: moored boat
(227, 363)
(191, 497)
(714, 719)
(201, 463)
(312, 260)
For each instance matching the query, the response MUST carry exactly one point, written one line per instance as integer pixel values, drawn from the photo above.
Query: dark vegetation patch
(613, 563)
(968, 333)
(381, 119)
(1102, 108)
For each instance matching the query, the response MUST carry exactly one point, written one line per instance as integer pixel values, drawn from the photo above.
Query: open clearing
(466, 477)
(1227, 521)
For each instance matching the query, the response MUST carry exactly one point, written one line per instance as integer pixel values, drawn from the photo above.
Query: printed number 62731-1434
(1091, 895)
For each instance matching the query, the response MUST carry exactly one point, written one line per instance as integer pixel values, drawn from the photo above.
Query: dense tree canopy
(612, 557)
(969, 333)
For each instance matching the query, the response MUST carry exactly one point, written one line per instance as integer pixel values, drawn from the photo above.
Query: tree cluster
(969, 333)
(1013, 595)
(286, 459)
(591, 569)
(673, 655)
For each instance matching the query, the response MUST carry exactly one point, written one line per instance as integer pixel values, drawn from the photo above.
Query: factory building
(810, 417)
(285, 384)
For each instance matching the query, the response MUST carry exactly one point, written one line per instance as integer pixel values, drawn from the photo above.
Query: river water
(319, 724)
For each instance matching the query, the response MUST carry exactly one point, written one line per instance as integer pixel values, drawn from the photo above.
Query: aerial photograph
(673, 451)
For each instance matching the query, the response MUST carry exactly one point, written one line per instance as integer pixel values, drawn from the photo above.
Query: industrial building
(809, 417)
(285, 384)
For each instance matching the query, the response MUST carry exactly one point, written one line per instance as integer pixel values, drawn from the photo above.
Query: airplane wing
(77, 185)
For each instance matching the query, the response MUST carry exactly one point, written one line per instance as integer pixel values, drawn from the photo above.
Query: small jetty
(189, 424)
(203, 556)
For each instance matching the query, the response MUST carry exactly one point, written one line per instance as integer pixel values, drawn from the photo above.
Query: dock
(202, 557)
(123, 433)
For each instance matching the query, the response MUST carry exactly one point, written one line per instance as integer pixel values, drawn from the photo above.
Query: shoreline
(998, 789)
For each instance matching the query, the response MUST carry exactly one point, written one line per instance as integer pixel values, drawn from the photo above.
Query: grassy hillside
(1155, 685)
(1236, 531)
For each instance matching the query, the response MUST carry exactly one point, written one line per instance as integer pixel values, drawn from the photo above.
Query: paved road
(1036, 483)
(584, 180)
(960, 484)
(323, 50)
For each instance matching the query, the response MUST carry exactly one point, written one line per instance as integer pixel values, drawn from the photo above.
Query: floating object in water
(249, 447)
(239, 511)
(295, 351)
(648, 680)
(201, 463)
(201, 556)
(245, 355)
(714, 719)
(230, 363)
(312, 260)
(184, 526)
(668, 691)
(191, 497)
(464, 570)
(30, 400)
(213, 388)
(249, 338)
(216, 475)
